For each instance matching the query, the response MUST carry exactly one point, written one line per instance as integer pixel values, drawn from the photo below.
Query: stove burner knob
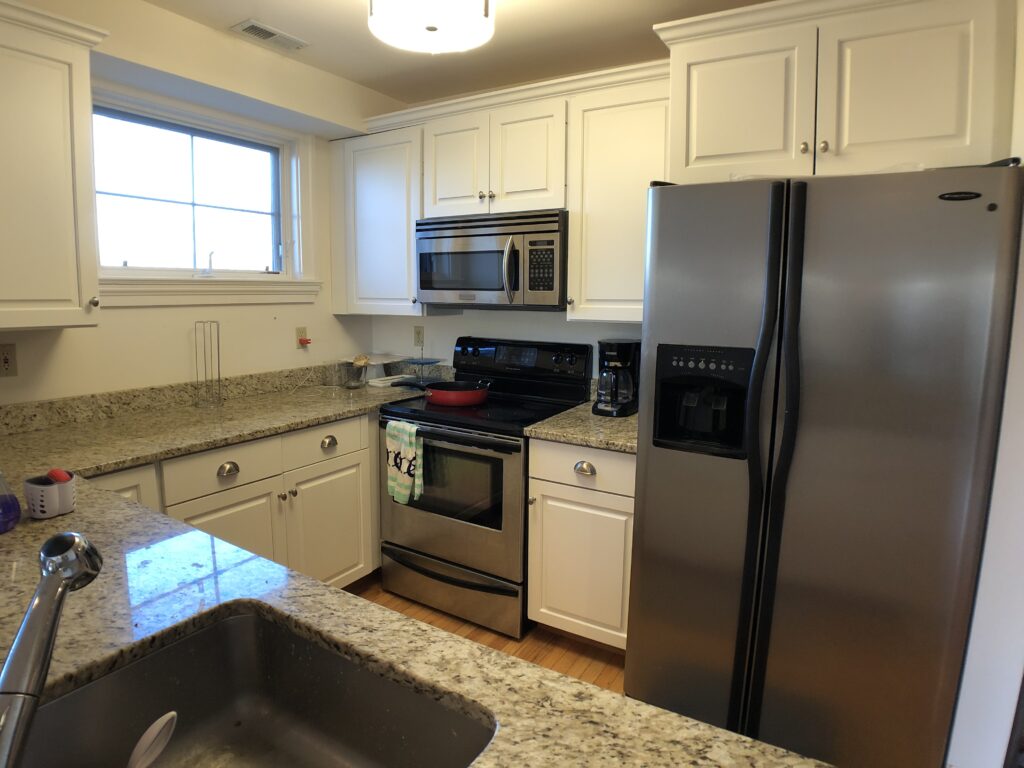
(476, 352)
(570, 359)
(557, 358)
(463, 351)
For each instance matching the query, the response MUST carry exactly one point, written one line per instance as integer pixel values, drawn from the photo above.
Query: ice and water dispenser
(700, 399)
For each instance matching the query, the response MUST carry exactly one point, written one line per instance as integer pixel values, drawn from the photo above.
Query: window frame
(296, 281)
(277, 244)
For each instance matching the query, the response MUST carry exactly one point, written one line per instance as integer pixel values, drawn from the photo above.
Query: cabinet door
(744, 104)
(47, 195)
(618, 144)
(455, 165)
(382, 202)
(248, 517)
(329, 533)
(527, 156)
(579, 557)
(921, 85)
(138, 484)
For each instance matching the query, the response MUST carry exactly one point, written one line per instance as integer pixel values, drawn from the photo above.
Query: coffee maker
(617, 379)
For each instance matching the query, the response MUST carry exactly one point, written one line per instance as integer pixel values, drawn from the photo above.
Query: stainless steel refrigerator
(822, 375)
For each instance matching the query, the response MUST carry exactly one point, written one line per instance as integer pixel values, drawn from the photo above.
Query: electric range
(460, 547)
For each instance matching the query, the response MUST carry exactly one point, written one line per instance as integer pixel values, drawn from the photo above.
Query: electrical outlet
(300, 333)
(8, 360)
(417, 335)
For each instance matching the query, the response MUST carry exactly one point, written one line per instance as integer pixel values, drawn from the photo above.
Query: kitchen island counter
(579, 426)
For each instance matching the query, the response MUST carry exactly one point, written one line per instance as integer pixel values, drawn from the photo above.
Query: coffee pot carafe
(617, 385)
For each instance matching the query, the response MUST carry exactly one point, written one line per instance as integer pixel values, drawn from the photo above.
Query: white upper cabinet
(618, 145)
(911, 84)
(744, 104)
(825, 87)
(507, 159)
(377, 198)
(47, 193)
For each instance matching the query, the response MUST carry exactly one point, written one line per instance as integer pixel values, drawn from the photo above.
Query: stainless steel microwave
(499, 261)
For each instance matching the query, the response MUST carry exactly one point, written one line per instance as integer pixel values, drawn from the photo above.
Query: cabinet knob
(293, 492)
(491, 195)
(282, 496)
(480, 195)
(570, 301)
(413, 299)
(227, 469)
(823, 146)
(94, 301)
(532, 500)
(329, 442)
(804, 147)
(585, 468)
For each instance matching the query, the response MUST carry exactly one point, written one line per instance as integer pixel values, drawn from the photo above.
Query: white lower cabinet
(327, 524)
(138, 484)
(580, 553)
(315, 514)
(249, 516)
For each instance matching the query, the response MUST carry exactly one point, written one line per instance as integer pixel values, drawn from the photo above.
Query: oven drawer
(482, 599)
(612, 472)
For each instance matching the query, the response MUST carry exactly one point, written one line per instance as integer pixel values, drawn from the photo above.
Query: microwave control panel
(541, 268)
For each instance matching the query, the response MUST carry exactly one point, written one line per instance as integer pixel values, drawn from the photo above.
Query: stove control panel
(508, 357)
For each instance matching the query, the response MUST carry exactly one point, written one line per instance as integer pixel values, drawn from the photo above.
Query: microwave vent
(264, 33)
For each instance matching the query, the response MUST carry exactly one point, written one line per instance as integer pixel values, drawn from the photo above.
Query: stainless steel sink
(251, 692)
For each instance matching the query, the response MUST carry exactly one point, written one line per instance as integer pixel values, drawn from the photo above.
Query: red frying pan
(453, 393)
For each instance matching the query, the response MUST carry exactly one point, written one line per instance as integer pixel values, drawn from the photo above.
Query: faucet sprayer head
(72, 557)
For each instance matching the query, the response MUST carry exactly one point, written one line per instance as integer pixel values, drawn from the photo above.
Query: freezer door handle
(752, 438)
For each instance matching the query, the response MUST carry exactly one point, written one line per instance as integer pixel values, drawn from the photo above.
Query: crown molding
(563, 86)
(761, 16)
(58, 26)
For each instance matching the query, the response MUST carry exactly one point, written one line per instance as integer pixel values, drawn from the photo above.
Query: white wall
(394, 334)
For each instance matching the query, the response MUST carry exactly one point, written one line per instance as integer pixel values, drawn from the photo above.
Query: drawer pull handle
(585, 468)
(293, 492)
(328, 442)
(227, 469)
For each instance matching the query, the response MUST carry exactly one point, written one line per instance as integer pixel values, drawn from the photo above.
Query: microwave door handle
(505, 281)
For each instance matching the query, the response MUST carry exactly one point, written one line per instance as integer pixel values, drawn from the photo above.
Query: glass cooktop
(501, 414)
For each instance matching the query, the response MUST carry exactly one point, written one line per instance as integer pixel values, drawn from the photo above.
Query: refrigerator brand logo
(957, 196)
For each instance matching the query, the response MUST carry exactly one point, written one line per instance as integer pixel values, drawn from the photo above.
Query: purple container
(10, 509)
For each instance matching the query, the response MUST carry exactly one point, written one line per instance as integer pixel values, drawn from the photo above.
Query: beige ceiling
(534, 40)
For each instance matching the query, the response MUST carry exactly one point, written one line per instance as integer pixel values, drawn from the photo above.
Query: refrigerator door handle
(790, 345)
(752, 438)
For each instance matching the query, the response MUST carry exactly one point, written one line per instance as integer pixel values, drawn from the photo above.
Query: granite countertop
(107, 445)
(160, 581)
(579, 426)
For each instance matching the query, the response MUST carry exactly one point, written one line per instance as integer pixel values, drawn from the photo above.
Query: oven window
(462, 271)
(462, 486)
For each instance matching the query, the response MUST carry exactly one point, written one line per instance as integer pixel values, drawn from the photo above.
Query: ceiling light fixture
(432, 26)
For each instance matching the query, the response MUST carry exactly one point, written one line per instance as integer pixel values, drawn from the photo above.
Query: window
(184, 200)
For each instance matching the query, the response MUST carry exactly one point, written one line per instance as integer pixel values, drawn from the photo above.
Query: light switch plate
(417, 335)
(8, 360)
(300, 333)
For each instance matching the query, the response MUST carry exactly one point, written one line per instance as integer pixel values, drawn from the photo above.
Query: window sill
(178, 292)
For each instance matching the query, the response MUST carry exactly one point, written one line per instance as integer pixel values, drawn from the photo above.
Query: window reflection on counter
(174, 579)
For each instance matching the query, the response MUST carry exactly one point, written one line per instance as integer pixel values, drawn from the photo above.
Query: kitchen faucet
(68, 562)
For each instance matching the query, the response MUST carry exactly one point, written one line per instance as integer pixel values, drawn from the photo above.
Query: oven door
(471, 511)
(470, 269)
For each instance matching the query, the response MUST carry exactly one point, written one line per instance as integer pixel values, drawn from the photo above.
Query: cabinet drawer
(324, 441)
(190, 477)
(613, 472)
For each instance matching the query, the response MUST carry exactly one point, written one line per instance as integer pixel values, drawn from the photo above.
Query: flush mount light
(432, 26)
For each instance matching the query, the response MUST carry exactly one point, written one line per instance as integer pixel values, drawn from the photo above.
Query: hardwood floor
(587, 661)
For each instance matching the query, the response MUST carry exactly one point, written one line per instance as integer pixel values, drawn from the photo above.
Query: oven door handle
(474, 444)
(506, 283)
(492, 589)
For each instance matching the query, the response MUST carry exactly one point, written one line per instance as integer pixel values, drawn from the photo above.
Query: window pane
(235, 239)
(144, 233)
(233, 176)
(142, 160)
